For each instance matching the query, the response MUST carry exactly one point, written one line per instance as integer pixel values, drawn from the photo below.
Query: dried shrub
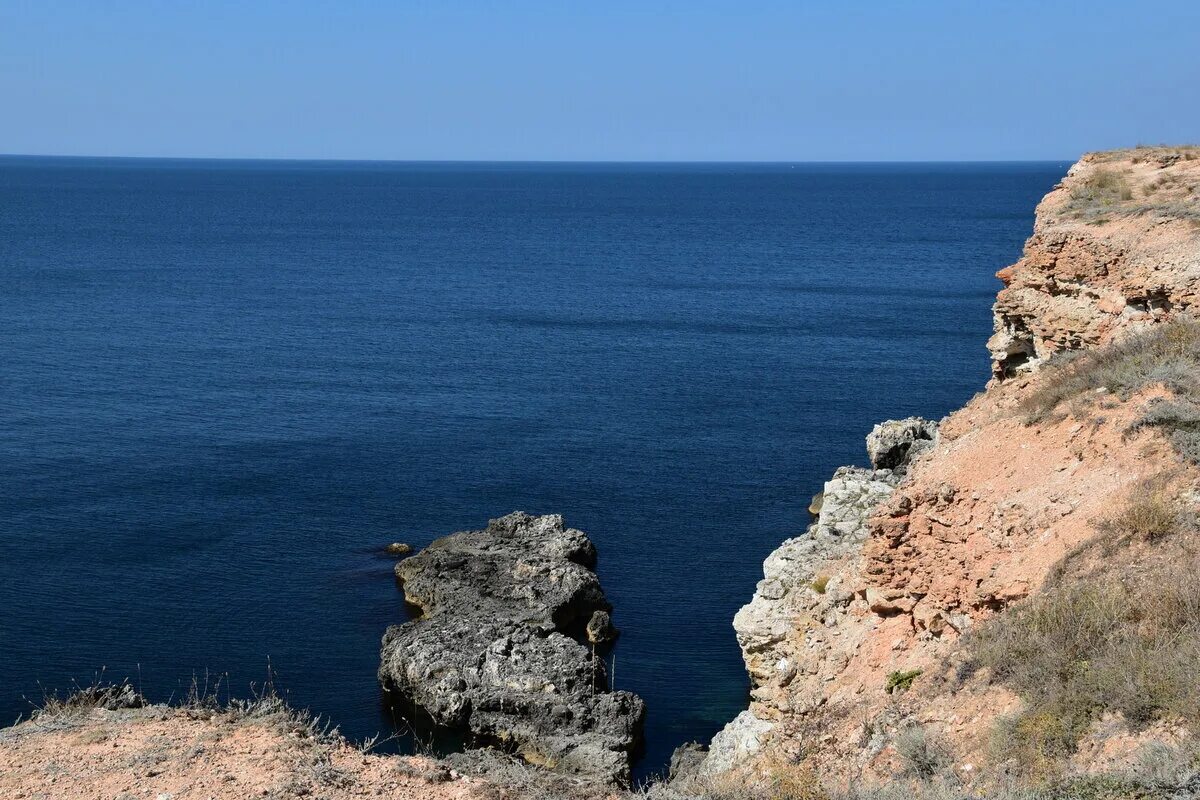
(1180, 419)
(1166, 354)
(1153, 513)
(1106, 645)
(923, 756)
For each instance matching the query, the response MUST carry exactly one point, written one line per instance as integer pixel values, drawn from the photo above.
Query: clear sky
(598, 80)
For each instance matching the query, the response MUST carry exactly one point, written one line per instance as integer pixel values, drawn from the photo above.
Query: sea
(226, 386)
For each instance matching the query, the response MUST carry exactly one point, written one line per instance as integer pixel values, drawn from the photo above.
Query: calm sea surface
(224, 386)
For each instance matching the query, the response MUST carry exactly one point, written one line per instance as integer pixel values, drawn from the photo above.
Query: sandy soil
(178, 754)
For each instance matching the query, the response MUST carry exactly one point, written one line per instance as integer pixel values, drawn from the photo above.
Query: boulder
(600, 630)
(499, 654)
(686, 761)
(734, 744)
(892, 444)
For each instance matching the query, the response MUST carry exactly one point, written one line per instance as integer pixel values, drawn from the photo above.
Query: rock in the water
(893, 443)
(600, 630)
(498, 652)
(398, 549)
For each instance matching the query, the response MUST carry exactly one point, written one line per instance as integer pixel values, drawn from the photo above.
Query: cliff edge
(1015, 601)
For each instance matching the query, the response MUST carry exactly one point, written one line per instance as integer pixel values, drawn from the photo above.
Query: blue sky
(607, 80)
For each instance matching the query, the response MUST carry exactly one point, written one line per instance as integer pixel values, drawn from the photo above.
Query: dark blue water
(225, 385)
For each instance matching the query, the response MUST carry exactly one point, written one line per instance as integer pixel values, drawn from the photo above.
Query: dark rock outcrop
(498, 653)
(891, 444)
(686, 761)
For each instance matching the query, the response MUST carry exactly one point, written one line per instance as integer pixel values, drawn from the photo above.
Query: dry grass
(1130, 646)
(1173, 776)
(1166, 355)
(1180, 419)
(1105, 191)
(1153, 513)
(1112, 190)
(924, 757)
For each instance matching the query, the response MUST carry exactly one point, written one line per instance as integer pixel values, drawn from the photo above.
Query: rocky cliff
(1113, 248)
(861, 631)
(501, 651)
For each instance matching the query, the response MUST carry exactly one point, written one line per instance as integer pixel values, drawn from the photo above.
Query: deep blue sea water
(224, 386)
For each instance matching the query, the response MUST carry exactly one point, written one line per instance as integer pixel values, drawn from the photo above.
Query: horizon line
(564, 161)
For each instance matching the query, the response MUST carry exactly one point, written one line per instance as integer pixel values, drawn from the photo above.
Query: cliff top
(1116, 246)
(1161, 182)
(102, 744)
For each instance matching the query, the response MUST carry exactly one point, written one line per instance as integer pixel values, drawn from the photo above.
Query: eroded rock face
(793, 587)
(889, 443)
(497, 653)
(902, 560)
(1088, 276)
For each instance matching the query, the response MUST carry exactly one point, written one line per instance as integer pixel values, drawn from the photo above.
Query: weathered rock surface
(793, 585)
(1094, 270)
(734, 744)
(498, 653)
(891, 444)
(91, 749)
(686, 760)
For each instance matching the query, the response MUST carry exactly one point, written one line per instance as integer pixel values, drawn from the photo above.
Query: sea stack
(500, 651)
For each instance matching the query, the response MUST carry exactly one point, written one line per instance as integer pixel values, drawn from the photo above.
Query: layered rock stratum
(949, 529)
(1113, 249)
(501, 650)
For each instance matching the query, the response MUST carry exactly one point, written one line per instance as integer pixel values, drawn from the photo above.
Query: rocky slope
(502, 651)
(857, 632)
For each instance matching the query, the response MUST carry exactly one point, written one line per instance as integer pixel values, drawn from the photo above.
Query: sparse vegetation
(1174, 777)
(1153, 513)
(900, 680)
(1111, 191)
(923, 756)
(1101, 192)
(1079, 650)
(1180, 419)
(820, 584)
(1167, 354)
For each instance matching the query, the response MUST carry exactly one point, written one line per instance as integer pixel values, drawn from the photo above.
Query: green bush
(900, 680)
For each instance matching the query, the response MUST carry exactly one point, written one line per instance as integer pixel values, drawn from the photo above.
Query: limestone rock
(600, 630)
(735, 743)
(896, 441)
(686, 760)
(1083, 282)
